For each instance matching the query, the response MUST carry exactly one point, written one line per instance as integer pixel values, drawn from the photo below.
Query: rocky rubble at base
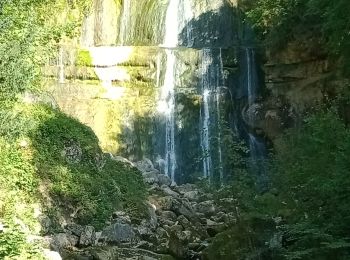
(180, 224)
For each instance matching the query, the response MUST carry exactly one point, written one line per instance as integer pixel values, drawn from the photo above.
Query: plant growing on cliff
(283, 21)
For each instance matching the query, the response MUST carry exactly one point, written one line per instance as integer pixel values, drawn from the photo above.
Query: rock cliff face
(181, 78)
(297, 79)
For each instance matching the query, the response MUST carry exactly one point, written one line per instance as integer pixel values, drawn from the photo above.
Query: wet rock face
(142, 22)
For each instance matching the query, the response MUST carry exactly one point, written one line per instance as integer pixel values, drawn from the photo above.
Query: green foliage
(13, 245)
(280, 21)
(312, 170)
(39, 172)
(84, 58)
(29, 32)
(88, 181)
(309, 196)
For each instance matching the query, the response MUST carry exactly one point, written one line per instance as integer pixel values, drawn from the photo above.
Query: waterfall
(219, 84)
(166, 104)
(61, 67)
(188, 16)
(251, 77)
(211, 84)
(207, 90)
(159, 67)
(257, 146)
(172, 24)
(125, 20)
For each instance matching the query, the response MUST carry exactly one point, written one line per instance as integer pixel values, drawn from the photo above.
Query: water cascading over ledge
(184, 60)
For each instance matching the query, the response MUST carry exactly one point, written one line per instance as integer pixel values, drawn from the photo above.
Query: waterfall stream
(166, 104)
(205, 115)
(257, 146)
(212, 79)
(125, 21)
(61, 76)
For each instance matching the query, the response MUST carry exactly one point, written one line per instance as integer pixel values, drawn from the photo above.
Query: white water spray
(171, 25)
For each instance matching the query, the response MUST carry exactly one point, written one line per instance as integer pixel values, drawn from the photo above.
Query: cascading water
(251, 75)
(61, 67)
(257, 147)
(205, 115)
(125, 21)
(187, 22)
(221, 67)
(171, 25)
(212, 79)
(166, 104)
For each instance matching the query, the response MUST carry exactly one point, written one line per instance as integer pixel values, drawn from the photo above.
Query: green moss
(84, 58)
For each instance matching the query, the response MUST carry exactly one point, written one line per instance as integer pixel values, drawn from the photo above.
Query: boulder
(150, 177)
(121, 217)
(88, 236)
(164, 180)
(63, 240)
(213, 228)
(192, 195)
(52, 255)
(118, 233)
(167, 215)
(122, 159)
(208, 208)
(74, 229)
(145, 165)
(182, 189)
(169, 191)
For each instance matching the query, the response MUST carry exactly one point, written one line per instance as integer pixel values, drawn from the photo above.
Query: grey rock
(122, 159)
(145, 165)
(143, 230)
(192, 195)
(74, 229)
(167, 215)
(118, 233)
(63, 240)
(72, 152)
(176, 228)
(213, 228)
(88, 236)
(206, 207)
(169, 191)
(182, 189)
(150, 177)
(173, 185)
(52, 255)
(162, 233)
(121, 217)
(164, 180)
(97, 237)
(45, 223)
